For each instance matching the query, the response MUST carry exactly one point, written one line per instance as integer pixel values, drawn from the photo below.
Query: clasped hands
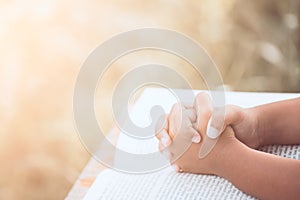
(182, 135)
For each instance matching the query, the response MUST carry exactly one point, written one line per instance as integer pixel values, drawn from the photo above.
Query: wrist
(256, 115)
(225, 155)
(230, 159)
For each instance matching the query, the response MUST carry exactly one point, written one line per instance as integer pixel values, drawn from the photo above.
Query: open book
(166, 183)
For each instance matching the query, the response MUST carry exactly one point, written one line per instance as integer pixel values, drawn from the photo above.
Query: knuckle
(202, 96)
(191, 115)
(176, 105)
(175, 108)
(233, 109)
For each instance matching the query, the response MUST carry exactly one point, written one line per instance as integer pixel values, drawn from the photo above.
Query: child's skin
(234, 157)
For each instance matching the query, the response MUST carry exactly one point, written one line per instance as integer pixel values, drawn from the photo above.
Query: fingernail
(196, 138)
(212, 132)
(175, 167)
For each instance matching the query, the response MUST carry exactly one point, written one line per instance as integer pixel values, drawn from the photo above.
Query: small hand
(212, 163)
(177, 129)
(243, 121)
(182, 152)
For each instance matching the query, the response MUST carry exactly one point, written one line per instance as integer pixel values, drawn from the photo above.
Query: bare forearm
(260, 174)
(279, 122)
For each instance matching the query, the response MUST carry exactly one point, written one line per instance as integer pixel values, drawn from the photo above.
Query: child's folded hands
(176, 132)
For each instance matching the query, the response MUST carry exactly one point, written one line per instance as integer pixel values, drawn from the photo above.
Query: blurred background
(255, 44)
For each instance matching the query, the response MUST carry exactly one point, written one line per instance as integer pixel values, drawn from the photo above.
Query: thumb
(221, 118)
(212, 132)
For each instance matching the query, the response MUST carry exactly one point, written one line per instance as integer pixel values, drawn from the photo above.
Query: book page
(287, 151)
(166, 183)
